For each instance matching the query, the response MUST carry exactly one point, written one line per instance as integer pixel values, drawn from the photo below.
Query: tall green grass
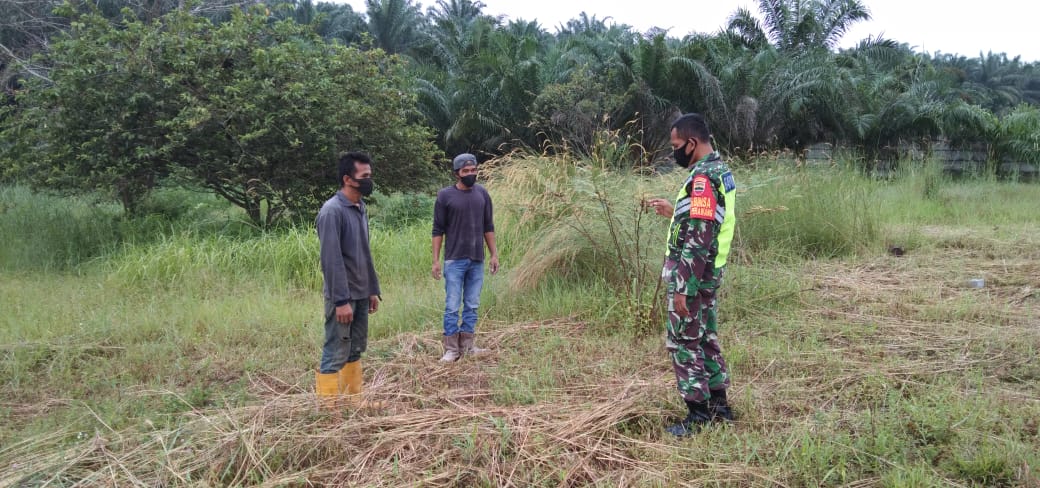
(44, 232)
(401, 210)
(563, 224)
(202, 264)
(53, 233)
(923, 194)
(807, 213)
(560, 221)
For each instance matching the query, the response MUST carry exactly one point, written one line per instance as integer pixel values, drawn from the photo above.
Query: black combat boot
(698, 417)
(719, 406)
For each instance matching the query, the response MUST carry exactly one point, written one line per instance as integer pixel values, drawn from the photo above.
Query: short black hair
(348, 163)
(692, 125)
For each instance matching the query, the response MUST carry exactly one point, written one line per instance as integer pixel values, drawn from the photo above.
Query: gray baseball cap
(463, 160)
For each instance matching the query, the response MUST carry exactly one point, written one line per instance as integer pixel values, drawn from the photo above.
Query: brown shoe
(451, 349)
(466, 344)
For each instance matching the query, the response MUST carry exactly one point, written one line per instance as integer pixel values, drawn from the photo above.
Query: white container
(977, 283)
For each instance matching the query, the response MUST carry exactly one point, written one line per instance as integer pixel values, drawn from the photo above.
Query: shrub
(400, 210)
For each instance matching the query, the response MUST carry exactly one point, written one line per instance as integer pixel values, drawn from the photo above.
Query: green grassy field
(178, 349)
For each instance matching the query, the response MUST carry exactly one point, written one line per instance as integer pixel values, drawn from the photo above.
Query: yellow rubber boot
(327, 388)
(352, 378)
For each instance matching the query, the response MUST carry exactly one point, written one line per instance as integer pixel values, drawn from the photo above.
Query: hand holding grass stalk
(661, 206)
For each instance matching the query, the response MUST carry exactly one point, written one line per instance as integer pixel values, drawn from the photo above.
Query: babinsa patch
(699, 184)
(702, 199)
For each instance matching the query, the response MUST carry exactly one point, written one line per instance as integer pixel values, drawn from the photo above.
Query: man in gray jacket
(351, 286)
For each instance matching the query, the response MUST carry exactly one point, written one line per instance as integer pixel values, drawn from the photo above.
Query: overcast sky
(1009, 26)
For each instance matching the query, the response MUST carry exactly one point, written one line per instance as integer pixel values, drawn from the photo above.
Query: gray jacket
(346, 258)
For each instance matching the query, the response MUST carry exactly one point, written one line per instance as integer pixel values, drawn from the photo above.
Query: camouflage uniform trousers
(693, 344)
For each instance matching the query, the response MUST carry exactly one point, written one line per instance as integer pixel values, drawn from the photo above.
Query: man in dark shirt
(463, 222)
(351, 286)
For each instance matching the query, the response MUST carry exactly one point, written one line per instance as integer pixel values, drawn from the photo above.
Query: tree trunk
(252, 207)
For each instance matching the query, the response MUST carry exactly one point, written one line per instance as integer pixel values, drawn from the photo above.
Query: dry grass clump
(581, 221)
(442, 427)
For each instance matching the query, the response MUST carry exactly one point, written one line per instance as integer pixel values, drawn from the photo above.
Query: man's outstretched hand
(661, 207)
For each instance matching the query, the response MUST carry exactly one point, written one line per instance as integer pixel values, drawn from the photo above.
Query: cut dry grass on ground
(895, 374)
(443, 428)
(918, 313)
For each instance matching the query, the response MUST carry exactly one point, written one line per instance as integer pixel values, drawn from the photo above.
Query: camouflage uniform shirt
(693, 242)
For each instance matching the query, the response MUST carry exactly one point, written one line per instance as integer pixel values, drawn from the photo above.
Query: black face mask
(681, 158)
(365, 186)
(469, 180)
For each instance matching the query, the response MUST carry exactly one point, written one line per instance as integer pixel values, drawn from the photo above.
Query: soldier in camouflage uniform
(703, 219)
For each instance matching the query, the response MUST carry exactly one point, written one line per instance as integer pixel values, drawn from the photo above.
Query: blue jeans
(462, 281)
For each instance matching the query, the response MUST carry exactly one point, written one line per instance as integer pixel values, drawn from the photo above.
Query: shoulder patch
(727, 182)
(702, 199)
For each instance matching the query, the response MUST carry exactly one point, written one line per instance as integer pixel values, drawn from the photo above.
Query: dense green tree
(96, 122)
(453, 17)
(26, 26)
(643, 75)
(793, 85)
(252, 110)
(993, 81)
(571, 114)
(477, 88)
(277, 111)
(340, 22)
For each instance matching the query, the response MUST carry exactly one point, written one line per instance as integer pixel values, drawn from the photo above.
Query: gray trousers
(344, 343)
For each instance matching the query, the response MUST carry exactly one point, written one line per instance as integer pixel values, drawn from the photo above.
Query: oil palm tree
(477, 88)
(795, 26)
(395, 25)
